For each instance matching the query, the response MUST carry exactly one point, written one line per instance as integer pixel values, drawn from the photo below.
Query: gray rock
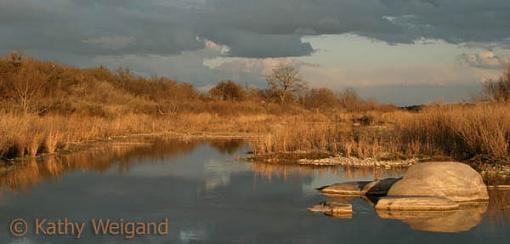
(455, 181)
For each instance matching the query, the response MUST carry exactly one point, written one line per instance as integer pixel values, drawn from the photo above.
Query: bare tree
(499, 90)
(285, 82)
(25, 84)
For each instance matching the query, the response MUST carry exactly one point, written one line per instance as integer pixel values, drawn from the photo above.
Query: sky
(396, 51)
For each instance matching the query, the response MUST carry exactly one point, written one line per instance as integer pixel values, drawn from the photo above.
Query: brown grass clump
(461, 131)
(341, 134)
(458, 131)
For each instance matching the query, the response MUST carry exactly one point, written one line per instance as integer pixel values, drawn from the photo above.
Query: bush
(227, 91)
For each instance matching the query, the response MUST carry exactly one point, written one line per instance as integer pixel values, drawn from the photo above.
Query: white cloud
(485, 59)
(260, 66)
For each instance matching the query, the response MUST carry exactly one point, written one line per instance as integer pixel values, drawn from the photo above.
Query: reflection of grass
(499, 206)
(28, 173)
(270, 170)
(226, 146)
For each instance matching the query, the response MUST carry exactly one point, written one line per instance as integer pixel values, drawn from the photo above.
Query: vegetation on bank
(459, 131)
(46, 106)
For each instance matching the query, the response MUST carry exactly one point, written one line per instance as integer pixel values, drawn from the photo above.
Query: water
(209, 196)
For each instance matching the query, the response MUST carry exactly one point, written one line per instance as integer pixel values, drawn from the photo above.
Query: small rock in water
(360, 188)
(353, 188)
(333, 208)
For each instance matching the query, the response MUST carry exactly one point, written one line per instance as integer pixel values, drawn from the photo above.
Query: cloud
(111, 42)
(485, 59)
(255, 29)
(201, 67)
(253, 45)
(253, 65)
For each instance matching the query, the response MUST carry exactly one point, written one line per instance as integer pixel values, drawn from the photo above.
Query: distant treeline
(29, 85)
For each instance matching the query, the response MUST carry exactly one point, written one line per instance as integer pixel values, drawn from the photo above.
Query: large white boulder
(455, 181)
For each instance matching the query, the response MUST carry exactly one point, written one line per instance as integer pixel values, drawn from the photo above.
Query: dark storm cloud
(251, 28)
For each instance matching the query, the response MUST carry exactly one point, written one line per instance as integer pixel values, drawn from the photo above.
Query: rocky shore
(357, 162)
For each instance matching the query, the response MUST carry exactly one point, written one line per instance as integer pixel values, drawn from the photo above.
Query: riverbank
(28, 136)
(469, 133)
(494, 172)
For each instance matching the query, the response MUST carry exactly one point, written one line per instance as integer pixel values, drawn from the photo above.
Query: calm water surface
(209, 196)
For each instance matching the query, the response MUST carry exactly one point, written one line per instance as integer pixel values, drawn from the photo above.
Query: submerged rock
(352, 188)
(360, 188)
(417, 203)
(336, 209)
(454, 181)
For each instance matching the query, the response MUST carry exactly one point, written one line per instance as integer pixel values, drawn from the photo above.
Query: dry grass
(461, 131)
(29, 135)
(458, 131)
(340, 134)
